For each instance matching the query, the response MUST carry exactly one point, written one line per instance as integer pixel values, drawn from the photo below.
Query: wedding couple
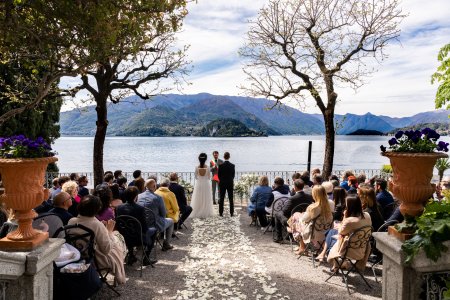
(202, 198)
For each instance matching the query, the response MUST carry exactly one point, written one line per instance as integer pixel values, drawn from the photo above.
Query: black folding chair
(48, 222)
(388, 210)
(299, 208)
(318, 224)
(131, 229)
(377, 258)
(83, 238)
(359, 239)
(77, 285)
(150, 217)
(277, 206)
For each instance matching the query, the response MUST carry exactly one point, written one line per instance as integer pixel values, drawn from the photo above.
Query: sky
(216, 29)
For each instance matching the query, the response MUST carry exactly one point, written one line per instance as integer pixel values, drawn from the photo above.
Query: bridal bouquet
(418, 141)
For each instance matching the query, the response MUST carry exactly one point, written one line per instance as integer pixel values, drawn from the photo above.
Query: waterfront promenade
(225, 258)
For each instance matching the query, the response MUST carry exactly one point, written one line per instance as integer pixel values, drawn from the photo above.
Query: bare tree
(303, 49)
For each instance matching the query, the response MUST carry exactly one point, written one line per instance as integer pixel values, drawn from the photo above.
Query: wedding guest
(214, 168)
(367, 195)
(136, 175)
(10, 224)
(279, 191)
(131, 208)
(328, 189)
(261, 195)
(354, 218)
(55, 185)
(180, 194)
(300, 223)
(104, 193)
(383, 197)
(344, 183)
(116, 200)
(150, 200)
(122, 183)
(117, 174)
(61, 181)
(62, 202)
(339, 195)
(317, 179)
(74, 177)
(352, 183)
(71, 187)
(109, 178)
(170, 200)
(109, 248)
(295, 176)
(306, 179)
(361, 178)
(82, 189)
(281, 218)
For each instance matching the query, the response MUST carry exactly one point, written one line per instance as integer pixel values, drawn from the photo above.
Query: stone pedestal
(29, 275)
(401, 282)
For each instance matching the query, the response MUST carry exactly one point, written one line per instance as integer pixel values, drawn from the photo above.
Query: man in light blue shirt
(150, 200)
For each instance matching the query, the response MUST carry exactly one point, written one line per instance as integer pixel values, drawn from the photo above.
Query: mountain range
(185, 115)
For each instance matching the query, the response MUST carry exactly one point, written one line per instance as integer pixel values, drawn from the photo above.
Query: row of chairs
(359, 239)
(128, 226)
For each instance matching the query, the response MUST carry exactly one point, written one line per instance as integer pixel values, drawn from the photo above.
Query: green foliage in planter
(433, 228)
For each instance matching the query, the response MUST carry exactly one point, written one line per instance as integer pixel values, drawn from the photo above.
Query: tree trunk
(328, 117)
(99, 140)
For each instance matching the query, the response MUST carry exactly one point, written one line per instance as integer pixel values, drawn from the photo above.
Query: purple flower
(383, 148)
(393, 142)
(442, 146)
(399, 134)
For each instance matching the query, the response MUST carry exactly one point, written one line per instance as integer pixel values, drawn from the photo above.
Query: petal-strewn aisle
(222, 264)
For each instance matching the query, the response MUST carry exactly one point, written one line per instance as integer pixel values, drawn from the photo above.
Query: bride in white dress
(202, 203)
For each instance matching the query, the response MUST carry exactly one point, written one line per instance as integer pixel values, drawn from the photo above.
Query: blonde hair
(70, 187)
(367, 195)
(320, 200)
(263, 180)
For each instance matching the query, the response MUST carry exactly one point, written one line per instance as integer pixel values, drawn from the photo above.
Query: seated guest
(71, 187)
(131, 208)
(103, 191)
(339, 195)
(317, 179)
(328, 185)
(82, 189)
(396, 216)
(301, 224)
(170, 200)
(261, 195)
(108, 178)
(117, 174)
(315, 172)
(180, 194)
(279, 191)
(74, 177)
(282, 217)
(109, 247)
(332, 178)
(62, 202)
(367, 195)
(307, 180)
(344, 183)
(295, 176)
(61, 181)
(55, 185)
(361, 178)
(352, 183)
(116, 200)
(122, 183)
(354, 218)
(3, 215)
(150, 200)
(384, 198)
(10, 224)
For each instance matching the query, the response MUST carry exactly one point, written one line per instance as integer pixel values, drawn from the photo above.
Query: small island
(227, 128)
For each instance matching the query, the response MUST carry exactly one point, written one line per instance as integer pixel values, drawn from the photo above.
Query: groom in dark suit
(226, 183)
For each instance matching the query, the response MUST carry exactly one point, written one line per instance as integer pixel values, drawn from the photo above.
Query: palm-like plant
(442, 164)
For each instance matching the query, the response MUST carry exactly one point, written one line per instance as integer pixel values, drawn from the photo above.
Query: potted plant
(442, 164)
(23, 162)
(413, 155)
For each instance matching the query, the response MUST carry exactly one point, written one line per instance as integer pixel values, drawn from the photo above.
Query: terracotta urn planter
(411, 183)
(23, 180)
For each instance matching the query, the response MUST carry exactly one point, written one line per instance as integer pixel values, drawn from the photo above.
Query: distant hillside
(441, 128)
(185, 115)
(227, 128)
(366, 132)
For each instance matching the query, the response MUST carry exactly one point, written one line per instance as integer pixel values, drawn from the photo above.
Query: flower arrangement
(245, 183)
(19, 146)
(418, 141)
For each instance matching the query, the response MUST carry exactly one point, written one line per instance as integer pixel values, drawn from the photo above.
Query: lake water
(274, 153)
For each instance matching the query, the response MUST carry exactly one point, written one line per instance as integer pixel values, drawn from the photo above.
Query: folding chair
(83, 238)
(73, 285)
(388, 210)
(131, 229)
(150, 217)
(318, 225)
(277, 206)
(48, 222)
(359, 239)
(299, 208)
(378, 259)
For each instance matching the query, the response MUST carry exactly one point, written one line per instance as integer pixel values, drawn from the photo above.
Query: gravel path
(225, 258)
